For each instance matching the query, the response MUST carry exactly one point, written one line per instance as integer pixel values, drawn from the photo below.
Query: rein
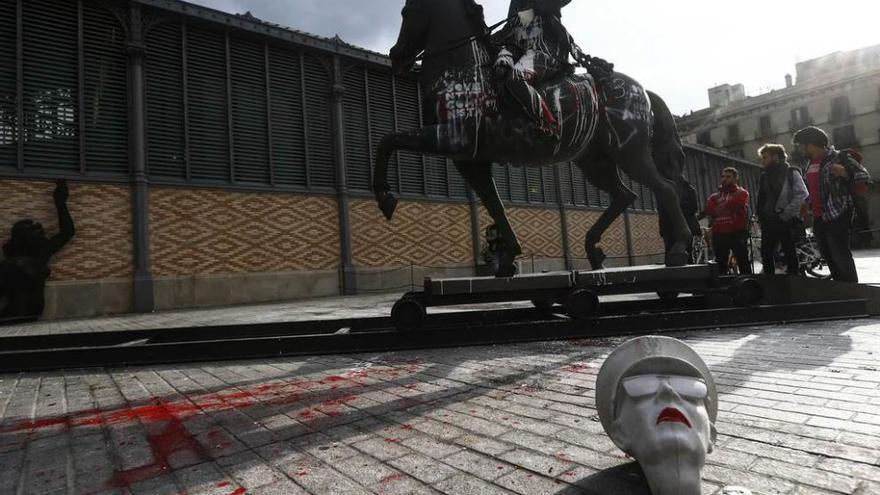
(456, 43)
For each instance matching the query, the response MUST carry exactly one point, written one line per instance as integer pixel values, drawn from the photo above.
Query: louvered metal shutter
(357, 139)
(51, 87)
(412, 174)
(8, 89)
(535, 185)
(249, 118)
(208, 117)
(382, 118)
(517, 178)
(593, 195)
(565, 174)
(579, 185)
(319, 131)
(288, 120)
(163, 65)
(457, 187)
(502, 182)
(106, 93)
(548, 174)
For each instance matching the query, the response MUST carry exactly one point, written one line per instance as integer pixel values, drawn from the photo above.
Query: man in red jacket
(728, 213)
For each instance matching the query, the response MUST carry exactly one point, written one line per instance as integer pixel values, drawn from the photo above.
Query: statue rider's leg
(527, 72)
(479, 176)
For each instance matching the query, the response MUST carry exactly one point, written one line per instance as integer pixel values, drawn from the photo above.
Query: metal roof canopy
(217, 17)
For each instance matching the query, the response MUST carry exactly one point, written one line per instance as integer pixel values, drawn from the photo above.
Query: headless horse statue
(600, 129)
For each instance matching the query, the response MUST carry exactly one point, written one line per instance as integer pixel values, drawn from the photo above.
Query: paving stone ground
(799, 414)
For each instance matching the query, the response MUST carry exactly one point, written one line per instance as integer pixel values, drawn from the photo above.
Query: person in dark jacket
(781, 192)
(727, 210)
(838, 185)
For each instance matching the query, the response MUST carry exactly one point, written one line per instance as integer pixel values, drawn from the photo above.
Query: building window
(733, 134)
(840, 109)
(845, 137)
(705, 138)
(765, 128)
(800, 118)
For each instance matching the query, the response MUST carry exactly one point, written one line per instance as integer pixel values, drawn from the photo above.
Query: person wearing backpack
(838, 186)
(781, 192)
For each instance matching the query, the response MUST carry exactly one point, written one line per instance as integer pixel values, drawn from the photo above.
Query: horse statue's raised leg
(445, 140)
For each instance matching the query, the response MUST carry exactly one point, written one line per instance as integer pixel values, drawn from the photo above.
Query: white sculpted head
(657, 401)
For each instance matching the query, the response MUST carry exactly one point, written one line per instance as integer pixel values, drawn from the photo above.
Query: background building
(219, 159)
(839, 93)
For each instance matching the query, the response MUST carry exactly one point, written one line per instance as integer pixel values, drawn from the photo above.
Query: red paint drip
(172, 439)
(392, 478)
(577, 368)
(240, 491)
(223, 484)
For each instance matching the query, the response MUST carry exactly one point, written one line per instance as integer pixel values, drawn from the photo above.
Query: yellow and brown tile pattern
(579, 222)
(539, 230)
(203, 231)
(102, 246)
(422, 233)
(645, 234)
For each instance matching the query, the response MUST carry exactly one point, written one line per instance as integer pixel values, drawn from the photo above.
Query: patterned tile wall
(203, 231)
(538, 229)
(645, 234)
(579, 222)
(102, 246)
(422, 233)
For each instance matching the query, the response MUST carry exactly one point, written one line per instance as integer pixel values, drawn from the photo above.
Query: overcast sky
(678, 48)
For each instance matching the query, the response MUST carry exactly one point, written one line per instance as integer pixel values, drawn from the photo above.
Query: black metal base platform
(566, 306)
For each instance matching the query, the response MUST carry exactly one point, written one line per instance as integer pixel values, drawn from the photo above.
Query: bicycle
(810, 260)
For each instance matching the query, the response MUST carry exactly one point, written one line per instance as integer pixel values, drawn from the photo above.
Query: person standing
(781, 192)
(838, 185)
(727, 210)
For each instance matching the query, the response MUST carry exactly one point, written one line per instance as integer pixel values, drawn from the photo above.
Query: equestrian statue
(514, 98)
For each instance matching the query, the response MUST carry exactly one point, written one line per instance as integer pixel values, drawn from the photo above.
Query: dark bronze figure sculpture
(25, 269)
(601, 127)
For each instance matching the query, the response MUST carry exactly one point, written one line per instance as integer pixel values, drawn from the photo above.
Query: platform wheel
(408, 314)
(582, 303)
(746, 291)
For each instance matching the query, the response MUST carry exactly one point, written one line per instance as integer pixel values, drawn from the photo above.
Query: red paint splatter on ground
(392, 440)
(223, 484)
(392, 478)
(407, 426)
(240, 491)
(302, 472)
(577, 368)
(171, 439)
(173, 445)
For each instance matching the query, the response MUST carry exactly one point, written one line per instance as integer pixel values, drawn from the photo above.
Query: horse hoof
(506, 271)
(387, 203)
(676, 259)
(597, 257)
